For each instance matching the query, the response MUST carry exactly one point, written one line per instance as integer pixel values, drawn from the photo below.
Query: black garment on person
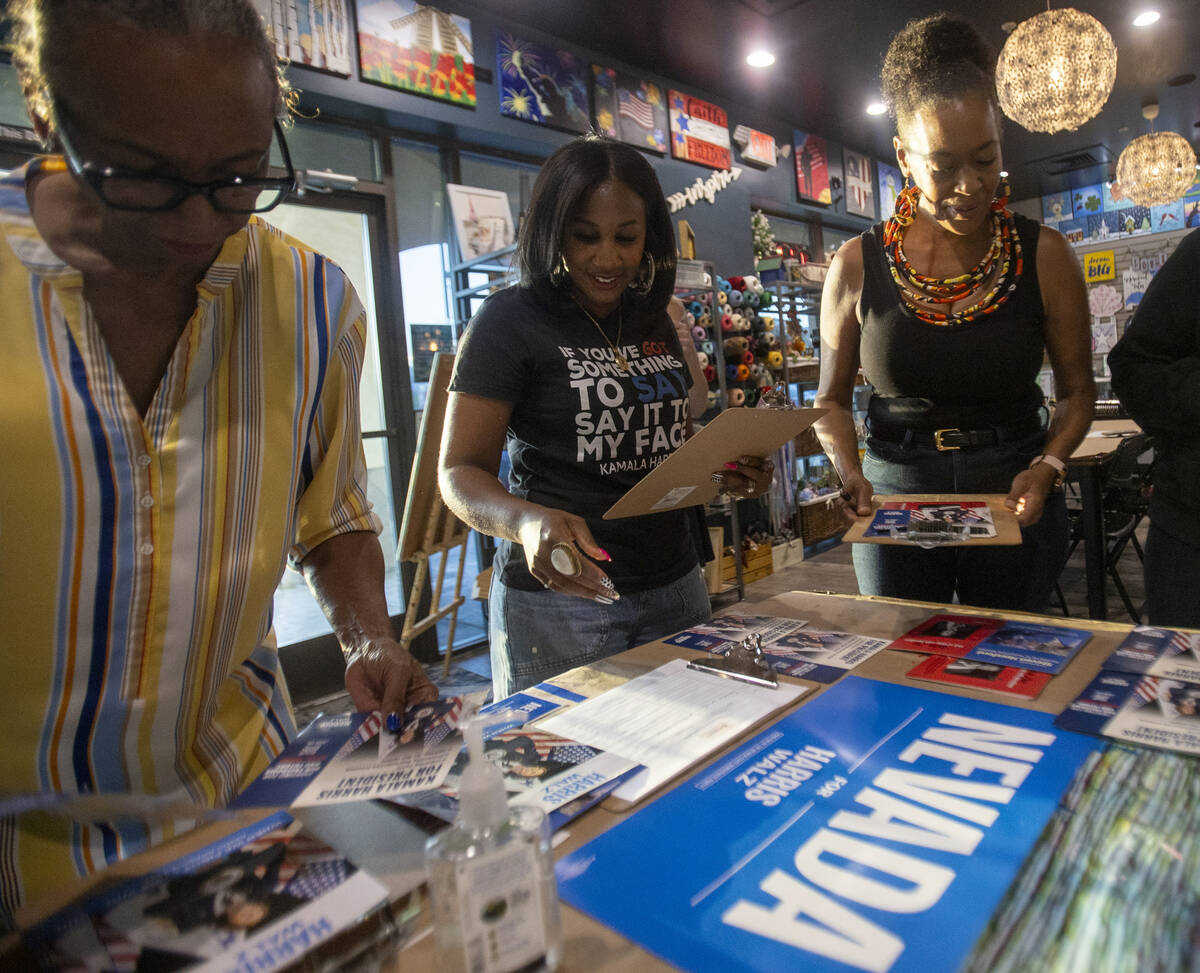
(976, 374)
(583, 432)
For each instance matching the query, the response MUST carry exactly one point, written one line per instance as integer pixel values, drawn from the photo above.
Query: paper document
(668, 719)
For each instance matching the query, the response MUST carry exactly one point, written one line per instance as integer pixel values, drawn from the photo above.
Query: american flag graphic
(633, 107)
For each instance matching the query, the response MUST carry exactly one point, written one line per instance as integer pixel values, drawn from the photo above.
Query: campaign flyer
(1158, 652)
(1149, 710)
(836, 839)
(1020, 645)
(789, 645)
(351, 757)
(259, 899)
(964, 519)
(984, 676)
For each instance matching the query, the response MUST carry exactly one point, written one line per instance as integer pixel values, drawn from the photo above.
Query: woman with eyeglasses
(179, 422)
(949, 306)
(578, 372)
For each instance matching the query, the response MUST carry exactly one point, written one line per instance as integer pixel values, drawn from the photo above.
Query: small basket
(819, 518)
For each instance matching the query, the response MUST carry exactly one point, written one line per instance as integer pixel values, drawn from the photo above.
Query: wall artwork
(483, 221)
(699, 131)
(311, 33)
(418, 49)
(812, 167)
(860, 185)
(629, 109)
(540, 84)
(891, 181)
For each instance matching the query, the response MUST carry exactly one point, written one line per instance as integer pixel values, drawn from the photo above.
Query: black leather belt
(952, 438)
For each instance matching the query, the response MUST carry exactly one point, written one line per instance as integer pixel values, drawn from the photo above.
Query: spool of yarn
(723, 298)
(710, 373)
(736, 298)
(731, 372)
(775, 359)
(737, 397)
(708, 348)
(743, 372)
(747, 357)
(699, 333)
(702, 358)
(726, 322)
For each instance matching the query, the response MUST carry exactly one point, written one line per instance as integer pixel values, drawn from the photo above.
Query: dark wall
(722, 228)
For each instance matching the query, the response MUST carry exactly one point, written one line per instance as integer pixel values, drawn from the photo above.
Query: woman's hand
(855, 498)
(543, 529)
(750, 476)
(1027, 498)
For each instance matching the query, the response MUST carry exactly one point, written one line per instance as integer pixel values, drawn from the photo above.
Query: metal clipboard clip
(744, 661)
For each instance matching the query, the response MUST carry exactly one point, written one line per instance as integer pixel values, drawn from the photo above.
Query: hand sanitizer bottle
(491, 878)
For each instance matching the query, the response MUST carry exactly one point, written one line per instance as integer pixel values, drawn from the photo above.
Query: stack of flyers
(965, 519)
(260, 899)
(788, 644)
(1020, 645)
(1158, 652)
(1006, 680)
(1149, 710)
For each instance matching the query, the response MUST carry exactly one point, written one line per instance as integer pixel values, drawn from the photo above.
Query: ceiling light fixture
(876, 108)
(1146, 18)
(1056, 70)
(1157, 168)
(760, 59)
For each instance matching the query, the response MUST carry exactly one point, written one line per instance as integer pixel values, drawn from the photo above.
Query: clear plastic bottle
(491, 878)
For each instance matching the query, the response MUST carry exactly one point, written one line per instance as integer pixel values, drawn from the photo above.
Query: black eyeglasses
(144, 193)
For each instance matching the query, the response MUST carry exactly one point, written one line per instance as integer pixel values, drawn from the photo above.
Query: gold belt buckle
(937, 440)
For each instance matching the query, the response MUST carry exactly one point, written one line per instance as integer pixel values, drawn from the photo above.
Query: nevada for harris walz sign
(699, 131)
(875, 828)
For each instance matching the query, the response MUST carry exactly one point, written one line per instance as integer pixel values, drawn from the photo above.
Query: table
(1085, 467)
(392, 849)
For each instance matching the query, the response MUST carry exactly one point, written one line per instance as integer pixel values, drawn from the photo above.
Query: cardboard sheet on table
(1008, 531)
(684, 479)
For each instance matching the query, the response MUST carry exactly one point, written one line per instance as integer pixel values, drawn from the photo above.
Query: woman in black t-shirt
(579, 373)
(948, 307)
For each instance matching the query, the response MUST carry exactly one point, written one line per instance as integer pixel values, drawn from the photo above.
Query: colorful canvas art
(540, 84)
(312, 33)
(891, 181)
(812, 167)
(860, 185)
(418, 49)
(1086, 201)
(629, 109)
(1056, 208)
(699, 131)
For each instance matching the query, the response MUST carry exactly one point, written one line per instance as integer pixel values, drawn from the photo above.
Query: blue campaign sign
(875, 828)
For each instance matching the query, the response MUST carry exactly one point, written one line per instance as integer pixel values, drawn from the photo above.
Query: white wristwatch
(1059, 466)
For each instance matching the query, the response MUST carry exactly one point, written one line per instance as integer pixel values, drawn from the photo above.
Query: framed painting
(311, 33)
(541, 84)
(483, 221)
(416, 48)
(812, 167)
(699, 131)
(860, 184)
(629, 109)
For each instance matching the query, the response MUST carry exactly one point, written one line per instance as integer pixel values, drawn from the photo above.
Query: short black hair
(566, 180)
(935, 59)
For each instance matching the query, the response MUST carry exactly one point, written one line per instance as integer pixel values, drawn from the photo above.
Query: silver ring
(565, 560)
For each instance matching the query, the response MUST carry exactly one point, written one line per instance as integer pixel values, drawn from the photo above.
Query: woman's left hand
(1027, 498)
(750, 476)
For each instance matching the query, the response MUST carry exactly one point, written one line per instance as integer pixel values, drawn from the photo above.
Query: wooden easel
(429, 528)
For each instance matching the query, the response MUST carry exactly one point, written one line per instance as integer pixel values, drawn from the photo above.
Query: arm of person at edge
(345, 574)
(839, 368)
(1069, 346)
(698, 393)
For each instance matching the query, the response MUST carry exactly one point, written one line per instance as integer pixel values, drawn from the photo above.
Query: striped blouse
(139, 556)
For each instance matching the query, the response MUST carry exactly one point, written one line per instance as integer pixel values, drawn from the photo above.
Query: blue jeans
(1172, 574)
(1008, 577)
(537, 634)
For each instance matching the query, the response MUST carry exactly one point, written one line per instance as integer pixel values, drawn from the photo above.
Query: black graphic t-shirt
(583, 431)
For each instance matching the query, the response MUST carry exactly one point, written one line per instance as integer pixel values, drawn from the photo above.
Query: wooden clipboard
(1008, 530)
(684, 479)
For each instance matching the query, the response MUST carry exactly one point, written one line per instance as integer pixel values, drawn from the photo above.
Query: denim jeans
(1009, 577)
(1172, 580)
(538, 634)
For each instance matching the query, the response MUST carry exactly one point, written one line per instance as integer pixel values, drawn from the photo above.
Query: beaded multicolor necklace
(1005, 250)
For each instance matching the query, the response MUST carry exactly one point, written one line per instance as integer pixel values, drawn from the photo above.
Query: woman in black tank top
(948, 307)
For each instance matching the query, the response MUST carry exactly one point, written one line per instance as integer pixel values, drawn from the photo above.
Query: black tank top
(971, 375)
